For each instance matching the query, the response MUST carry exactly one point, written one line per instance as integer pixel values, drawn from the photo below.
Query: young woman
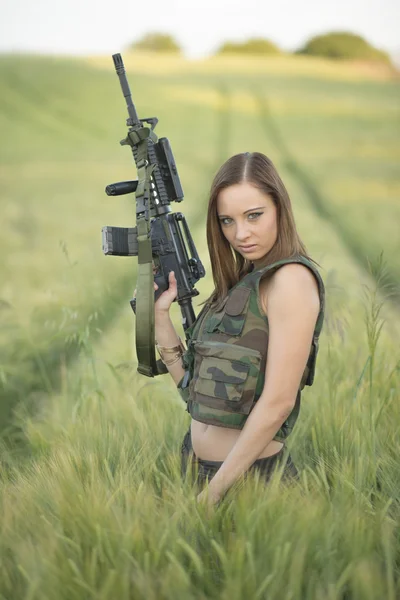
(253, 346)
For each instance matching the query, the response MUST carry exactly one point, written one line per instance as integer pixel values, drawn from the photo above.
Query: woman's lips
(248, 248)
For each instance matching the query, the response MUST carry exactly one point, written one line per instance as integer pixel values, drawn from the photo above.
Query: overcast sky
(100, 27)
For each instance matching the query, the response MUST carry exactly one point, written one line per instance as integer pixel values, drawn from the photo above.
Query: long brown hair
(228, 266)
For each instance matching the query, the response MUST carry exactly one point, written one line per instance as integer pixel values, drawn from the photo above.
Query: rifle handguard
(171, 355)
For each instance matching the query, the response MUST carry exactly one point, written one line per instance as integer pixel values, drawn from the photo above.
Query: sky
(82, 27)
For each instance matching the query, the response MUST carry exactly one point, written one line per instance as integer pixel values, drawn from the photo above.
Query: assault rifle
(161, 239)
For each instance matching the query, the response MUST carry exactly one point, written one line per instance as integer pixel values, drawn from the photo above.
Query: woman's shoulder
(294, 276)
(291, 281)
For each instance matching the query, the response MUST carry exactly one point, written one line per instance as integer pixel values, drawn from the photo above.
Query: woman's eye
(251, 216)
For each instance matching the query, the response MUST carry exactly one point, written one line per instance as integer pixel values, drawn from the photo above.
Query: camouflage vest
(227, 351)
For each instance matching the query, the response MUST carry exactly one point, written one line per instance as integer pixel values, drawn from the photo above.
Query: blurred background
(314, 86)
(316, 90)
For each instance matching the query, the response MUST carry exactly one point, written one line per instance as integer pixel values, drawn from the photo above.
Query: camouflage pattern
(227, 353)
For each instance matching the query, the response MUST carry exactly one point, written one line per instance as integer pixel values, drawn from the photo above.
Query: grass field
(92, 504)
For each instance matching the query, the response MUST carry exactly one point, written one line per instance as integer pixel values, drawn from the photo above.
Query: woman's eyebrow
(246, 211)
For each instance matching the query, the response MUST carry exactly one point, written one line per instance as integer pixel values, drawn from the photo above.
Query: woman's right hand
(163, 303)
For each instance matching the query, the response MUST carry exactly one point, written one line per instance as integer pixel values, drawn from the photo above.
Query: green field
(91, 498)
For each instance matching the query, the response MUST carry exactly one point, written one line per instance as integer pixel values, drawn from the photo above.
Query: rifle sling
(145, 337)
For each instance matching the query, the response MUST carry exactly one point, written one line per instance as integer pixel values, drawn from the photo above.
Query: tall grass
(100, 509)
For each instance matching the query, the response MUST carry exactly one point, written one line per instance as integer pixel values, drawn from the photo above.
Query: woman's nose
(242, 233)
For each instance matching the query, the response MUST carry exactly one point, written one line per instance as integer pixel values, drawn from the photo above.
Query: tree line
(334, 45)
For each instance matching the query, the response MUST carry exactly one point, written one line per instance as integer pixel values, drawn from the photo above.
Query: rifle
(161, 239)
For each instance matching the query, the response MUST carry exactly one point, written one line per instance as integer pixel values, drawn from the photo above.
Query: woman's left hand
(209, 499)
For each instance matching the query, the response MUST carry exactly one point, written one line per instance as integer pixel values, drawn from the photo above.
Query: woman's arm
(166, 336)
(293, 306)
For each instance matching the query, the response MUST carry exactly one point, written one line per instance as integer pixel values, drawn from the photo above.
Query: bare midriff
(214, 443)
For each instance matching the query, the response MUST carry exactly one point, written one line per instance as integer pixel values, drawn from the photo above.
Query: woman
(268, 301)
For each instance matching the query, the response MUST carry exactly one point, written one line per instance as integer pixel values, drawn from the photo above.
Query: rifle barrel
(120, 69)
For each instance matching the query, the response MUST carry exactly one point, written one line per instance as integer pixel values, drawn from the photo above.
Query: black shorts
(206, 469)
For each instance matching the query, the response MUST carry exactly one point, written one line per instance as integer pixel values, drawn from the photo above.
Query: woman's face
(248, 219)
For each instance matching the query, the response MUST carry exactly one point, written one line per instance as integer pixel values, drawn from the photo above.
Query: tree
(342, 45)
(254, 46)
(157, 42)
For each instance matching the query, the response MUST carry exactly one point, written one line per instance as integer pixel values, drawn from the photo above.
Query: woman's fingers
(172, 284)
